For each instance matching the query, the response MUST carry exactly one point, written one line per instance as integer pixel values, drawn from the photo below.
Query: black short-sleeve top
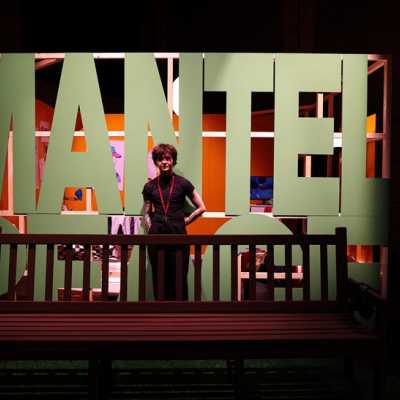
(181, 189)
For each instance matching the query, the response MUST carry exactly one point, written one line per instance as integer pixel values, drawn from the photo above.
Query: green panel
(295, 73)
(68, 224)
(7, 227)
(238, 75)
(332, 288)
(17, 101)
(243, 225)
(145, 106)
(360, 230)
(79, 88)
(361, 196)
(133, 275)
(191, 117)
(367, 273)
(315, 273)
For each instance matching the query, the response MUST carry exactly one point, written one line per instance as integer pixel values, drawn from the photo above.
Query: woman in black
(164, 200)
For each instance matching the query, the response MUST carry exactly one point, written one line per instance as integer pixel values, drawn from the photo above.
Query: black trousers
(171, 275)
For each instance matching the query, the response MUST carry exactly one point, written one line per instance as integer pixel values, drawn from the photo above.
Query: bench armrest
(355, 287)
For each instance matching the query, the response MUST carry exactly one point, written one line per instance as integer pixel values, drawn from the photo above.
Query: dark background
(197, 26)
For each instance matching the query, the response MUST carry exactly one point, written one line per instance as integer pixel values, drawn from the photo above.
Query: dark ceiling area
(197, 26)
(265, 26)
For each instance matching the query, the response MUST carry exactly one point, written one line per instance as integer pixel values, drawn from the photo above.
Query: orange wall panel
(214, 122)
(79, 144)
(44, 116)
(214, 173)
(115, 122)
(262, 157)
(262, 121)
(371, 159)
(205, 226)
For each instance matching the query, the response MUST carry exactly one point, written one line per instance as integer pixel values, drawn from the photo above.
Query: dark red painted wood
(142, 271)
(68, 273)
(86, 272)
(234, 272)
(270, 272)
(197, 272)
(31, 271)
(12, 271)
(216, 272)
(161, 273)
(124, 273)
(179, 274)
(105, 254)
(252, 272)
(324, 271)
(49, 272)
(288, 273)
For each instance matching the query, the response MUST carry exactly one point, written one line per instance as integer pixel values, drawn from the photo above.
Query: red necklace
(171, 188)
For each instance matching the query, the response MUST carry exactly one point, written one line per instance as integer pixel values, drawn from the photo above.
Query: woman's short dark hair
(163, 149)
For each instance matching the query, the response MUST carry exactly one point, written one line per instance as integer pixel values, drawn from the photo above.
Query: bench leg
(107, 375)
(235, 373)
(379, 379)
(100, 379)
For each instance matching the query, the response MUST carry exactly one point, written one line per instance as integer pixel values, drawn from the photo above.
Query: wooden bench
(195, 329)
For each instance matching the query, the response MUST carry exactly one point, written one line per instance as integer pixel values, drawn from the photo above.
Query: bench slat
(49, 272)
(288, 273)
(216, 272)
(234, 272)
(270, 272)
(68, 273)
(160, 274)
(197, 272)
(306, 272)
(142, 272)
(105, 254)
(341, 265)
(31, 271)
(86, 272)
(124, 273)
(252, 272)
(12, 271)
(324, 271)
(179, 274)
(181, 327)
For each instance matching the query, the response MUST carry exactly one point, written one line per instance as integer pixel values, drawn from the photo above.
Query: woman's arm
(146, 215)
(200, 208)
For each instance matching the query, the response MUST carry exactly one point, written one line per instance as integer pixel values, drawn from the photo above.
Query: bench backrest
(140, 243)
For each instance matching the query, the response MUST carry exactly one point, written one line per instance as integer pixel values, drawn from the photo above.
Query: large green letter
(190, 117)
(360, 195)
(17, 100)
(8, 227)
(238, 75)
(79, 88)
(297, 73)
(364, 201)
(145, 107)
